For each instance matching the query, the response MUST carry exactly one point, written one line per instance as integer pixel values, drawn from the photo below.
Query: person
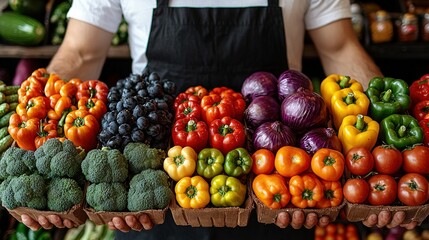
(213, 43)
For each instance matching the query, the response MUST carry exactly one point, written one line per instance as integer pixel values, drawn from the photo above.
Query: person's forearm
(71, 65)
(358, 65)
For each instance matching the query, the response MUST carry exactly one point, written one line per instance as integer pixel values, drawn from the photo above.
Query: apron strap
(273, 3)
(161, 3)
(164, 3)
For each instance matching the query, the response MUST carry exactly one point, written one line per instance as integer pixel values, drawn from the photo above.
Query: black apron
(215, 47)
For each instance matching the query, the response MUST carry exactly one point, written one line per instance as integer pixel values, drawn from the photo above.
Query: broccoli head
(141, 156)
(25, 191)
(63, 194)
(16, 161)
(3, 186)
(149, 190)
(105, 165)
(107, 196)
(58, 159)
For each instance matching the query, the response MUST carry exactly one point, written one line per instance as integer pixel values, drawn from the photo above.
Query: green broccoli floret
(3, 186)
(107, 196)
(63, 194)
(149, 190)
(141, 156)
(105, 165)
(25, 191)
(16, 161)
(58, 159)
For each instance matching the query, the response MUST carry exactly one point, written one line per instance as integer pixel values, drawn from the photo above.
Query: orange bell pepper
(23, 130)
(68, 90)
(53, 85)
(46, 131)
(333, 194)
(306, 190)
(94, 106)
(82, 129)
(61, 106)
(41, 75)
(36, 107)
(29, 88)
(216, 107)
(271, 190)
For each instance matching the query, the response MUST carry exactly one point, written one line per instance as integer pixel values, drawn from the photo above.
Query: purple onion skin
(259, 84)
(304, 110)
(273, 136)
(318, 138)
(289, 82)
(262, 109)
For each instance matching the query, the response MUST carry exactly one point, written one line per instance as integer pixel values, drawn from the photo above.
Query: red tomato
(359, 161)
(413, 189)
(415, 159)
(382, 189)
(263, 161)
(356, 190)
(387, 159)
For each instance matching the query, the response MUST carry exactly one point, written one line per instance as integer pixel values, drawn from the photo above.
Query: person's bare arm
(341, 52)
(83, 51)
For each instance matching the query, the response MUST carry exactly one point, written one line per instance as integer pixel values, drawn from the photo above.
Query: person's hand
(46, 222)
(299, 219)
(131, 223)
(385, 219)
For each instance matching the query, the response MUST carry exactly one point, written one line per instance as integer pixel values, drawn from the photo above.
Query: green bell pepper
(238, 162)
(227, 191)
(401, 131)
(387, 96)
(210, 162)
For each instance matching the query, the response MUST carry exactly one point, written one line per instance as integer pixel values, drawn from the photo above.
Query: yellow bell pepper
(358, 130)
(348, 102)
(335, 82)
(192, 192)
(180, 162)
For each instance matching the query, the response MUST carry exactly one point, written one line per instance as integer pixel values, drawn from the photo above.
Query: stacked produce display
(208, 160)
(83, 150)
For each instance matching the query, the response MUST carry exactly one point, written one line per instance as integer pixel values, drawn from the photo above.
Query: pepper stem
(401, 131)
(387, 95)
(350, 98)
(344, 82)
(360, 123)
(191, 126)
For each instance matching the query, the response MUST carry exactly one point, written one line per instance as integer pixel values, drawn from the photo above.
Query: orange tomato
(291, 161)
(263, 161)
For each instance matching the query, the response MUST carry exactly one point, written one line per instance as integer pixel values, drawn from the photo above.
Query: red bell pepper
(419, 89)
(190, 132)
(421, 109)
(216, 107)
(93, 89)
(198, 91)
(189, 109)
(184, 97)
(424, 124)
(226, 134)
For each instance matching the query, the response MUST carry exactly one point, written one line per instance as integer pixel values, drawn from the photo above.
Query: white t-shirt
(298, 15)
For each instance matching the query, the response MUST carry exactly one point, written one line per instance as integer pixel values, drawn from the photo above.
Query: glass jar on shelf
(408, 29)
(425, 27)
(381, 27)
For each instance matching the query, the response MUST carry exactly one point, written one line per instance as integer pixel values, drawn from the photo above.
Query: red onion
(318, 138)
(272, 136)
(259, 84)
(289, 82)
(262, 109)
(303, 110)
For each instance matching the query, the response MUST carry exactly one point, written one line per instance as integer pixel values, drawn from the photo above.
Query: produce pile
(209, 162)
(51, 107)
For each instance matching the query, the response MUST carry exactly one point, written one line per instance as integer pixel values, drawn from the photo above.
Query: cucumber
(19, 29)
(33, 8)
(4, 108)
(8, 90)
(4, 121)
(3, 132)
